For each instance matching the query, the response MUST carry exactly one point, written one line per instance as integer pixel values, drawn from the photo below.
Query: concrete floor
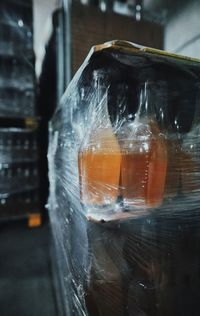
(26, 286)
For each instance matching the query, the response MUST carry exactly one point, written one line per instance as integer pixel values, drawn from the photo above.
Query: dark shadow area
(26, 287)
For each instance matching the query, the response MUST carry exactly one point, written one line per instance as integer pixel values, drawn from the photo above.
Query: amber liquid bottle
(99, 155)
(144, 156)
(173, 145)
(190, 156)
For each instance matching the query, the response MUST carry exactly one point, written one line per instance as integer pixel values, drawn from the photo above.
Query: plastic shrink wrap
(17, 59)
(124, 184)
(18, 146)
(19, 164)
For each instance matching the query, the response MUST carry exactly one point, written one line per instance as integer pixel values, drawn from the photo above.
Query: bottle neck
(101, 108)
(147, 101)
(163, 118)
(101, 90)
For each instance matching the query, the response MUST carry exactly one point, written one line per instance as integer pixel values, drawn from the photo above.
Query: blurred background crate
(17, 102)
(19, 205)
(15, 39)
(92, 26)
(17, 73)
(12, 174)
(18, 145)
(19, 149)
(18, 16)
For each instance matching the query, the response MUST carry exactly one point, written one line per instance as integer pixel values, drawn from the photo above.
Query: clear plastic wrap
(124, 184)
(19, 163)
(19, 152)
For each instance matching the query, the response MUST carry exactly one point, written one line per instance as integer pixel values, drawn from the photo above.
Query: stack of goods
(124, 184)
(19, 175)
(17, 80)
(89, 25)
(18, 140)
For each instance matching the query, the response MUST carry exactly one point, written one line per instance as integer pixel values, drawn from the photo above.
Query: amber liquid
(99, 170)
(143, 174)
(173, 169)
(189, 173)
(99, 174)
(190, 163)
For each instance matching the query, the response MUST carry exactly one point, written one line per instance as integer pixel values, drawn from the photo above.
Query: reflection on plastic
(99, 156)
(190, 175)
(100, 170)
(144, 157)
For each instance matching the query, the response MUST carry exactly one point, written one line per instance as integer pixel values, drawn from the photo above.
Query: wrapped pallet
(124, 184)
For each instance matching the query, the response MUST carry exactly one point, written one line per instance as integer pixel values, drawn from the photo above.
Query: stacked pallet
(19, 173)
(90, 26)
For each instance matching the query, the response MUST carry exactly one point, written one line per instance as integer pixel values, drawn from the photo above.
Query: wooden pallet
(26, 122)
(33, 220)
